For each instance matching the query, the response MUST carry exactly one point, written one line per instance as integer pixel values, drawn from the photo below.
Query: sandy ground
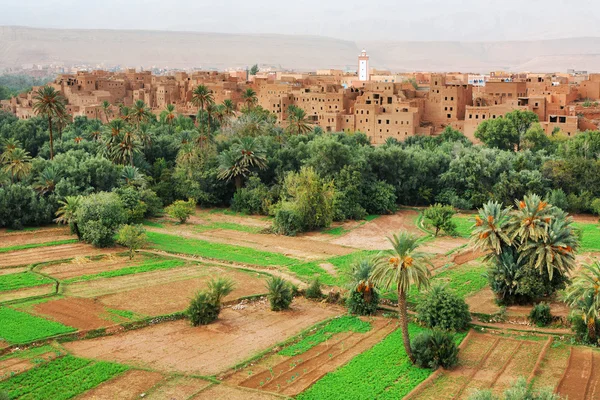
(207, 350)
(224, 392)
(76, 312)
(204, 216)
(178, 388)
(128, 386)
(9, 239)
(51, 253)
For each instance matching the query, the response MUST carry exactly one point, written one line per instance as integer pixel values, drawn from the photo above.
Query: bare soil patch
(76, 312)
(80, 266)
(178, 388)
(443, 244)
(128, 386)
(51, 253)
(224, 392)
(483, 302)
(373, 234)
(552, 367)
(206, 350)
(581, 380)
(8, 271)
(585, 218)
(204, 216)
(25, 293)
(9, 239)
(15, 365)
(175, 296)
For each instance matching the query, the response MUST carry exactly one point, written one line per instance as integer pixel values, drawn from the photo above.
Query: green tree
(250, 98)
(133, 237)
(206, 305)
(254, 70)
(442, 308)
(140, 113)
(402, 268)
(99, 215)
(181, 210)
(106, 109)
(508, 132)
(17, 163)
(237, 162)
(298, 123)
(167, 116)
(440, 217)
(583, 296)
(363, 298)
(67, 213)
(49, 103)
(279, 293)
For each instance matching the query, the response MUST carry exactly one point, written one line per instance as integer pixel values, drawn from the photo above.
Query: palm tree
(201, 96)
(144, 134)
(9, 145)
(106, 108)
(47, 180)
(297, 122)
(131, 176)
(491, 231)
(244, 154)
(229, 108)
(95, 131)
(125, 113)
(17, 164)
(584, 296)
(168, 116)
(249, 97)
(66, 213)
(140, 112)
(127, 146)
(230, 167)
(533, 216)
(401, 268)
(50, 103)
(203, 137)
(61, 121)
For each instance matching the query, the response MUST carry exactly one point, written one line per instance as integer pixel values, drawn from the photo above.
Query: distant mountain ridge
(135, 48)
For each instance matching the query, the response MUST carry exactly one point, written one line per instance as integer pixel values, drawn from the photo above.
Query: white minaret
(363, 66)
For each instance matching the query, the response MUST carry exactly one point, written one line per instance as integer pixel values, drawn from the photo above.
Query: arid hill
(23, 45)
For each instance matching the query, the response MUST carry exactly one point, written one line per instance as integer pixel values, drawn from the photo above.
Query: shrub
(440, 218)
(134, 206)
(206, 305)
(280, 293)
(558, 198)
(153, 203)
(202, 309)
(540, 315)
(379, 198)
(313, 291)
(359, 303)
(581, 329)
(4, 395)
(433, 349)
(181, 210)
(133, 237)
(99, 216)
(441, 308)
(288, 220)
(255, 198)
(21, 206)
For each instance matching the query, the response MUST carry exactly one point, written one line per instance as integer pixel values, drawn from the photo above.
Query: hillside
(23, 45)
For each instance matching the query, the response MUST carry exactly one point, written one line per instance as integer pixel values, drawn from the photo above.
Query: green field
(346, 323)
(590, 236)
(382, 372)
(464, 223)
(22, 280)
(60, 379)
(343, 266)
(36, 245)
(20, 327)
(217, 251)
(145, 267)
(227, 226)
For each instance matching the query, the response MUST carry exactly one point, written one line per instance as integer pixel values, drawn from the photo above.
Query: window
(387, 121)
(449, 115)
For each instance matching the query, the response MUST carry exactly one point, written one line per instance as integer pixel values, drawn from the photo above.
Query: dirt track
(178, 347)
(127, 386)
(80, 266)
(581, 380)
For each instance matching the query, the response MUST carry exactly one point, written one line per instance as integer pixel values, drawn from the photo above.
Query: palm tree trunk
(51, 138)
(76, 229)
(131, 158)
(238, 182)
(591, 323)
(403, 312)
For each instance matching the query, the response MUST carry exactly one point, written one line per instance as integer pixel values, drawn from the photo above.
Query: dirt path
(225, 392)
(271, 271)
(581, 380)
(9, 239)
(80, 266)
(206, 350)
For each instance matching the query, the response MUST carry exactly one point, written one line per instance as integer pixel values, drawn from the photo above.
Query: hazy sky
(471, 20)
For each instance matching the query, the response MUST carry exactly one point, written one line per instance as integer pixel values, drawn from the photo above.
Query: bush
(202, 309)
(206, 305)
(21, 206)
(558, 198)
(280, 293)
(441, 308)
(99, 216)
(133, 237)
(181, 210)
(255, 198)
(580, 327)
(288, 220)
(313, 291)
(440, 218)
(433, 349)
(153, 203)
(379, 198)
(134, 206)
(540, 315)
(359, 303)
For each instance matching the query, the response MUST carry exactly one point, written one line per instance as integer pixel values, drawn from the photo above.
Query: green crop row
(345, 323)
(227, 226)
(218, 251)
(20, 327)
(146, 267)
(464, 224)
(61, 379)
(22, 280)
(36, 245)
(382, 372)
